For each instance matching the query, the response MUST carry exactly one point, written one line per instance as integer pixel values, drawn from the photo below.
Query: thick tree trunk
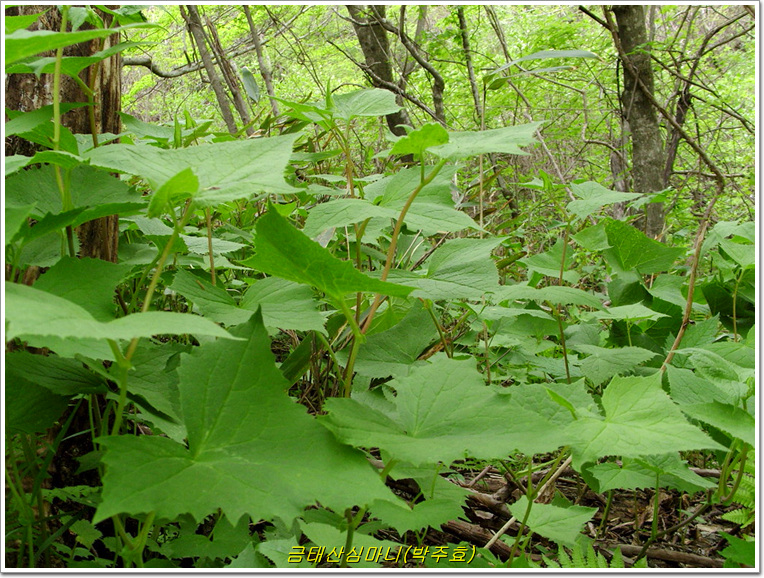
(376, 50)
(98, 239)
(194, 24)
(648, 159)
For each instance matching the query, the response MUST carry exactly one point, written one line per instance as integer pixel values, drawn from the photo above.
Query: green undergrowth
(290, 325)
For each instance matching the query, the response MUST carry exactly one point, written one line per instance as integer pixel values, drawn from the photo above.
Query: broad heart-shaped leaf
(89, 188)
(728, 418)
(632, 312)
(640, 418)
(421, 515)
(603, 363)
(286, 252)
(442, 412)
(549, 263)
(251, 449)
(460, 268)
(285, 305)
(563, 525)
(554, 294)
(30, 408)
(34, 313)
(668, 470)
(394, 352)
(61, 376)
(364, 102)
(506, 140)
(631, 249)
(431, 212)
(226, 171)
(65, 279)
(593, 196)
(419, 140)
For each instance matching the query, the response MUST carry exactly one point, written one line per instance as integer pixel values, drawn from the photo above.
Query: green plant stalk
(209, 245)
(556, 308)
(136, 550)
(724, 471)
(734, 306)
(66, 199)
(605, 514)
(487, 353)
(428, 307)
(353, 522)
(24, 508)
(520, 531)
(358, 339)
(727, 500)
(394, 238)
(656, 507)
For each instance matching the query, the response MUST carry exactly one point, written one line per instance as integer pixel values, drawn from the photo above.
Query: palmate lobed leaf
(443, 412)
(563, 525)
(251, 449)
(640, 419)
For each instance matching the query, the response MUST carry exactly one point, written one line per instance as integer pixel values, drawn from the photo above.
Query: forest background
(549, 212)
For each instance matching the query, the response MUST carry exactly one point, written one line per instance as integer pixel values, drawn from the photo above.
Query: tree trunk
(99, 238)
(230, 77)
(194, 24)
(648, 159)
(468, 61)
(376, 50)
(262, 61)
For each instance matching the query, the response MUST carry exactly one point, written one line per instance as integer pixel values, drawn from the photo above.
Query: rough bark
(648, 159)
(193, 22)
(372, 38)
(99, 238)
(262, 61)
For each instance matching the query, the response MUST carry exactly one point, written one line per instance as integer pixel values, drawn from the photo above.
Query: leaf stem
(396, 233)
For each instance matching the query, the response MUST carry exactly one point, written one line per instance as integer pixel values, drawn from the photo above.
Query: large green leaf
(554, 294)
(61, 376)
(65, 279)
(728, 418)
(442, 412)
(603, 363)
(286, 252)
(251, 450)
(631, 249)
(506, 140)
(593, 196)
(639, 417)
(460, 268)
(226, 171)
(419, 140)
(30, 408)
(285, 305)
(394, 352)
(563, 525)
(365, 102)
(668, 470)
(31, 312)
(89, 188)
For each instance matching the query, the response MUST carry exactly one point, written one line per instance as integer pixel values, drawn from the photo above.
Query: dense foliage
(325, 345)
